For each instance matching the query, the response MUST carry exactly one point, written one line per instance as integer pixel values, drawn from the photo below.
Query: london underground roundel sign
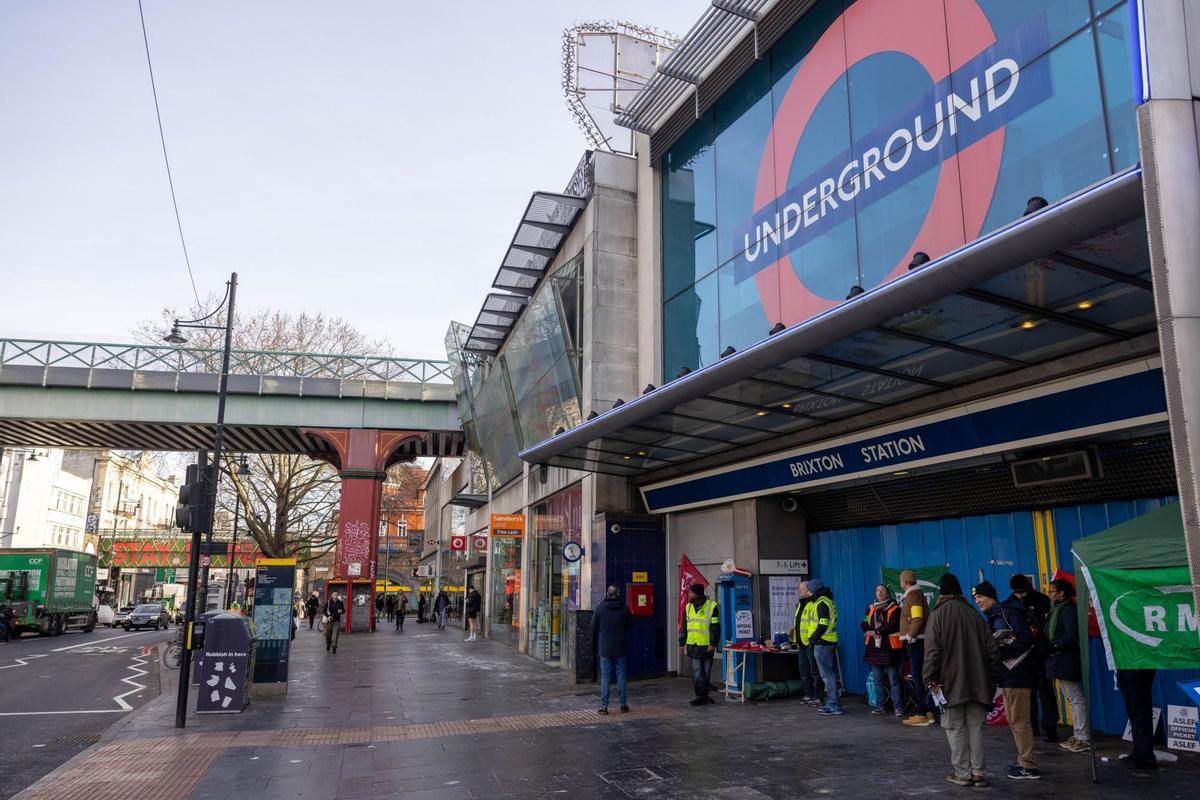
(458, 543)
(955, 124)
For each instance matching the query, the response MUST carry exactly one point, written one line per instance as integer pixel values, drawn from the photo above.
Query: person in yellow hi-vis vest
(818, 630)
(701, 632)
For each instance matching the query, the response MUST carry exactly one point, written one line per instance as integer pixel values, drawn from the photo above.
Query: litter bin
(227, 666)
(198, 643)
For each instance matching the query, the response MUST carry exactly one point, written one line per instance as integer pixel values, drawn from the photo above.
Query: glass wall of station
(520, 398)
(874, 129)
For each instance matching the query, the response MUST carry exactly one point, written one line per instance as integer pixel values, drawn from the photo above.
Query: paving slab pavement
(422, 714)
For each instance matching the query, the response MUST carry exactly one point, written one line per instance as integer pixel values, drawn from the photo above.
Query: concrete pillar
(1167, 133)
(362, 456)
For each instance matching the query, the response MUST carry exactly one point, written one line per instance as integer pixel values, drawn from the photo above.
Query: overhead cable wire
(167, 161)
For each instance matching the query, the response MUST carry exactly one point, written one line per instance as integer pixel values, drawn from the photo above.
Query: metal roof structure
(548, 219)
(965, 317)
(721, 27)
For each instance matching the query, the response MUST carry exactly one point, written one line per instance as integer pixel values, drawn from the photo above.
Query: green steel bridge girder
(82, 417)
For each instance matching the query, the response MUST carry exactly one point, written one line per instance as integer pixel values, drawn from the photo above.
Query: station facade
(886, 285)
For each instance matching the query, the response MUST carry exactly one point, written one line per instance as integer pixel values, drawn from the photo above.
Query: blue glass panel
(690, 325)
(689, 217)
(743, 123)
(1116, 69)
(1059, 146)
(742, 319)
(1060, 18)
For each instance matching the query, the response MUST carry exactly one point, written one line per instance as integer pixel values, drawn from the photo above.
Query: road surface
(58, 694)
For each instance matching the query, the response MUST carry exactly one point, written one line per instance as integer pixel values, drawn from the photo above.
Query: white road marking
(24, 662)
(98, 641)
(137, 687)
(136, 667)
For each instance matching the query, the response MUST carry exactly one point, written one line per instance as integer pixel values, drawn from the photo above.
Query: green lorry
(49, 590)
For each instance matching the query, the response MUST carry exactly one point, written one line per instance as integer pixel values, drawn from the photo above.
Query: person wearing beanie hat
(961, 665)
(698, 639)
(1044, 715)
(985, 589)
(1014, 635)
(949, 585)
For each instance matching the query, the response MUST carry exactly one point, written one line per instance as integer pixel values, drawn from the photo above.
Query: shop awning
(1069, 278)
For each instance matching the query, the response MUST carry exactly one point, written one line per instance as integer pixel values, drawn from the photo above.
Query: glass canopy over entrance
(1069, 278)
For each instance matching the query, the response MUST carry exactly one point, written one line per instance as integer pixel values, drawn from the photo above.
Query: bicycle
(173, 656)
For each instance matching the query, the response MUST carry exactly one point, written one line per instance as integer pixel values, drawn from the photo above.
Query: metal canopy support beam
(958, 348)
(528, 272)
(1038, 311)
(1102, 271)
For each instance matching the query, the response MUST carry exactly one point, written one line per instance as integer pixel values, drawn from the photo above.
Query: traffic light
(192, 513)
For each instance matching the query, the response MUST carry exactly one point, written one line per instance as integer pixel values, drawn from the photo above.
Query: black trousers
(1136, 687)
(1047, 699)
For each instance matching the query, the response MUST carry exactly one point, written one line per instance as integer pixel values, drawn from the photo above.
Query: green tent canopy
(1138, 580)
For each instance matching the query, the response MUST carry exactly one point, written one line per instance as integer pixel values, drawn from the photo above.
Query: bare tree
(289, 501)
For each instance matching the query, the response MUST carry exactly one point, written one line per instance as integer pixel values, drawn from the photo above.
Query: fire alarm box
(640, 598)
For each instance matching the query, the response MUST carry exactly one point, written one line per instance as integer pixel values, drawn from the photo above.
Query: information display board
(273, 598)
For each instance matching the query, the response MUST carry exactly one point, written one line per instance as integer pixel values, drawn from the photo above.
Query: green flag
(928, 578)
(1146, 617)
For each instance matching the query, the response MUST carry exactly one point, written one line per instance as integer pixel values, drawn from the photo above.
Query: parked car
(122, 616)
(147, 615)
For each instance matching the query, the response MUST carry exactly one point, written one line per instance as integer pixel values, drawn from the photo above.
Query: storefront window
(874, 129)
(554, 585)
(506, 588)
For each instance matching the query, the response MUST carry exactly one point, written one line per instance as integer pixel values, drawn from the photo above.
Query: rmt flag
(689, 573)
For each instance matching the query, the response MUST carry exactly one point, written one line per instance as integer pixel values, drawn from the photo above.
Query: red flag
(1093, 623)
(689, 573)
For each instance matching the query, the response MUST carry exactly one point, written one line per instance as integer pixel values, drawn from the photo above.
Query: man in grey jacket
(961, 667)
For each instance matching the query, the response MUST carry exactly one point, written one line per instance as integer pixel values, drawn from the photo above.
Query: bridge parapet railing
(183, 359)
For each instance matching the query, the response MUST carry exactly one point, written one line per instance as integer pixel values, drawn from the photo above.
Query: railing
(168, 358)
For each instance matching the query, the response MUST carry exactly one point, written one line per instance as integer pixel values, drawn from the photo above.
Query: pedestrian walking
(1136, 687)
(389, 606)
(474, 605)
(1043, 715)
(881, 627)
(334, 609)
(810, 677)
(701, 632)
(612, 622)
(1064, 663)
(378, 606)
(441, 604)
(961, 665)
(819, 631)
(401, 611)
(422, 607)
(1014, 636)
(312, 605)
(914, 612)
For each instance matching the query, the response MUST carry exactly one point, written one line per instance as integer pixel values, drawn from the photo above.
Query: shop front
(502, 603)
(554, 583)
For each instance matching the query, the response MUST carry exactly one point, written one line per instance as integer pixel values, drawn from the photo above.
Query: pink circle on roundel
(917, 28)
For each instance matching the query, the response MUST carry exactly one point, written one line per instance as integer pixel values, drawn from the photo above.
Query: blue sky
(365, 159)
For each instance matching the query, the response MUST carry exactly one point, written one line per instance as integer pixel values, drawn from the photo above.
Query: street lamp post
(243, 471)
(176, 337)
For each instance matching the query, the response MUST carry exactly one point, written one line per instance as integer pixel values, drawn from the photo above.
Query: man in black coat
(1044, 714)
(612, 622)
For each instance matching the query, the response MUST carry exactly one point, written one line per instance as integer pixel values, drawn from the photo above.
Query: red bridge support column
(362, 457)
